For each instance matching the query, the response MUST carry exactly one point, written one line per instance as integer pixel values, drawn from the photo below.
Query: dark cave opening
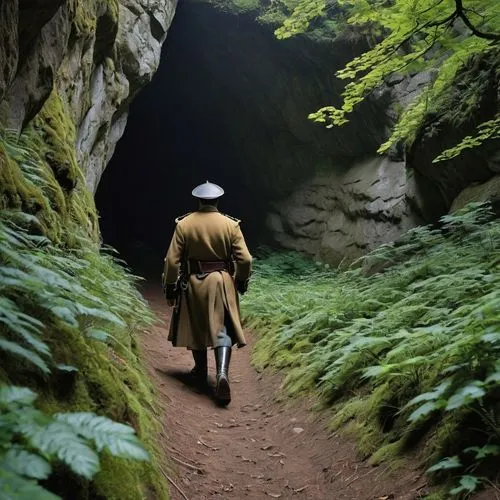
(177, 137)
(229, 103)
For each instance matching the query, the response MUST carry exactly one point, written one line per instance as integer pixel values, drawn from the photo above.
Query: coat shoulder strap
(178, 219)
(232, 218)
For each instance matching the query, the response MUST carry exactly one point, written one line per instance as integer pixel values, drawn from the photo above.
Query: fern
(68, 437)
(120, 440)
(24, 463)
(12, 485)
(47, 293)
(422, 334)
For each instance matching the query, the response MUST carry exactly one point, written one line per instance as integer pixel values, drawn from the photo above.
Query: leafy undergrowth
(76, 406)
(404, 345)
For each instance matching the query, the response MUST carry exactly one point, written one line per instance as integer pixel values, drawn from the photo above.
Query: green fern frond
(421, 336)
(24, 463)
(12, 486)
(18, 350)
(120, 440)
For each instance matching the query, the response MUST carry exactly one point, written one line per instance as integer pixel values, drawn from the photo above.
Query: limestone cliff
(88, 56)
(339, 215)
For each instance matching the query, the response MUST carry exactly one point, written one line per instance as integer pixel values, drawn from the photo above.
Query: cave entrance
(178, 135)
(229, 103)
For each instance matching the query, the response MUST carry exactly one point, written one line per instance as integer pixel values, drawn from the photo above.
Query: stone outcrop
(486, 191)
(472, 100)
(94, 54)
(340, 215)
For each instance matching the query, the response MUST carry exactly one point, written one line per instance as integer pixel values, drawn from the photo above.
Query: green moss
(15, 192)
(62, 201)
(28, 194)
(348, 411)
(58, 137)
(389, 453)
(246, 5)
(84, 17)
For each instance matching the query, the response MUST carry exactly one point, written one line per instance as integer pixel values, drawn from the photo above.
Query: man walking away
(206, 264)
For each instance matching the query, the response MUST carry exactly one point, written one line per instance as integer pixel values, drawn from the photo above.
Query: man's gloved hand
(241, 286)
(170, 291)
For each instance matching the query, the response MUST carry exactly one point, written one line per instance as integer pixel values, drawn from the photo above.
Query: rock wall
(342, 214)
(472, 100)
(92, 56)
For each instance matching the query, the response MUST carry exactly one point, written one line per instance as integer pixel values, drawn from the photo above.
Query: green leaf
(491, 338)
(14, 487)
(494, 378)
(65, 314)
(62, 441)
(99, 335)
(119, 439)
(466, 395)
(32, 357)
(484, 451)
(376, 371)
(94, 312)
(446, 464)
(16, 326)
(467, 484)
(19, 395)
(436, 393)
(66, 368)
(24, 463)
(423, 411)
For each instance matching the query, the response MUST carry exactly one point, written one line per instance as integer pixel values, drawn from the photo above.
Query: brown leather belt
(206, 267)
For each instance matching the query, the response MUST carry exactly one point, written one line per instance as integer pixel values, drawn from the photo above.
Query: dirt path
(259, 447)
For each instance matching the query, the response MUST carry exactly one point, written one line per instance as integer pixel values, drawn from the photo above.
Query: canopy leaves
(405, 37)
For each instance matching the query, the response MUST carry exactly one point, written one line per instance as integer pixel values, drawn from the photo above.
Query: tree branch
(460, 11)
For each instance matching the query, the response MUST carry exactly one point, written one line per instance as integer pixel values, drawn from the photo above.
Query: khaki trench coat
(207, 235)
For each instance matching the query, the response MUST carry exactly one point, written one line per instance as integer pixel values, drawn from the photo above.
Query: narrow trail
(259, 447)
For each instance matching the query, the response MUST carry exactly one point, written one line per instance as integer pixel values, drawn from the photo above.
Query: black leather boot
(200, 370)
(222, 389)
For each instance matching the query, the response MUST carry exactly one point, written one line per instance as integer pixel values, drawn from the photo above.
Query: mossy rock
(235, 6)
(43, 177)
(246, 5)
(84, 17)
(15, 192)
(58, 137)
(111, 382)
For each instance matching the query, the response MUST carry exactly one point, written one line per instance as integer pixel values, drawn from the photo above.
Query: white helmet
(207, 191)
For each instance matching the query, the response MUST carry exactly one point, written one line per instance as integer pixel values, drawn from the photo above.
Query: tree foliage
(407, 36)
